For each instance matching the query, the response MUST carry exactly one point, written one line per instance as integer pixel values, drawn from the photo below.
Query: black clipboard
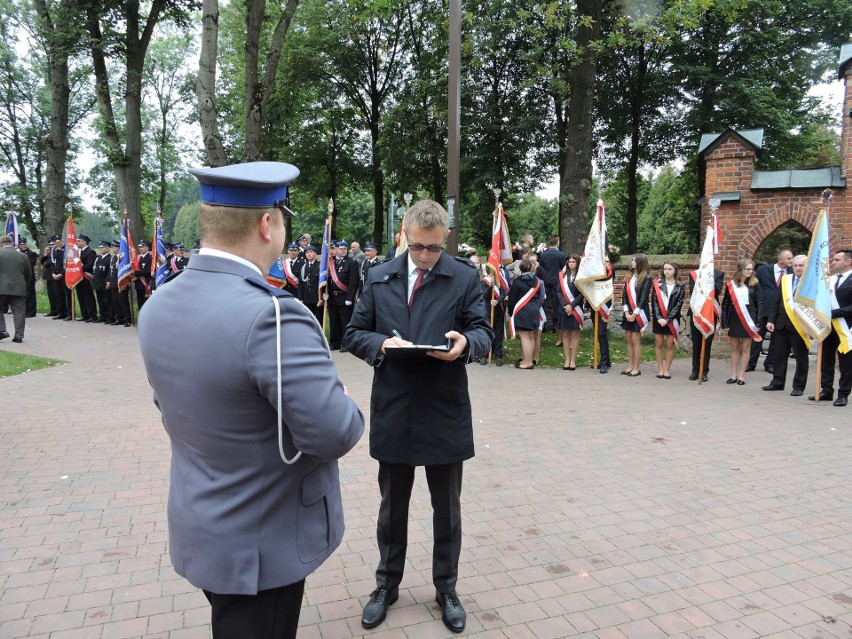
(414, 351)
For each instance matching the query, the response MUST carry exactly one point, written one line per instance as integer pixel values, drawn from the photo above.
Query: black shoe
(749, 369)
(693, 377)
(498, 362)
(377, 608)
(823, 397)
(4, 335)
(88, 320)
(344, 350)
(453, 616)
(840, 401)
(796, 392)
(769, 369)
(50, 314)
(483, 361)
(604, 369)
(18, 340)
(704, 378)
(67, 319)
(59, 317)
(127, 323)
(772, 388)
(31, 314)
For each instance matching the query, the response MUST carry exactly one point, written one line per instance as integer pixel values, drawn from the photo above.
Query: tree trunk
(636, 108)
(56, 143)
(205, 85)
(378, 176)
(576, 185)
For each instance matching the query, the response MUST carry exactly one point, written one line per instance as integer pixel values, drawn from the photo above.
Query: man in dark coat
(840, 286)
(769, 276)
(85, 294)
(420, 408)
(100, 278)
(120, 298)
(371, 252)
(53, 268)
(552, 260)
(784, 328)
(31, 292)
(15, 272)
(178, 261)
(308, 290)
(142, 271)
(343, 278)
(292, 267)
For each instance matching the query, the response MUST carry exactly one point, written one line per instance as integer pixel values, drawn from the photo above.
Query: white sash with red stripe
(605, 310)
(663, 303)
(633, 308)
(288, 273)
(521, 303)
(566, 291)
(743, 314)
(332, 269)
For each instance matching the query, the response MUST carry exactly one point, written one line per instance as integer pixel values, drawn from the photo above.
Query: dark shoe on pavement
(749, 369)
(693, 377)
(3, 334)
(454, 616)
(769, 369)
(604, 369)
(840, 401)
(796, 392)
(18, 340)
(483, 361)
(772, 388)
(498, 362)
(704, 378)
(823, 397)
(377, 608)
(59, 317)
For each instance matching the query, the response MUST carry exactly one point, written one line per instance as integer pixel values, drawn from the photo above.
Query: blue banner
(813, 291)
(159, 258)
(326, 242)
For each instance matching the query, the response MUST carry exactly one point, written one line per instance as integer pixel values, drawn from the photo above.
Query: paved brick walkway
(596, 507)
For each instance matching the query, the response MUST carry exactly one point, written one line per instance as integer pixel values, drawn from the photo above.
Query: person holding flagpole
(838, 344)
(666, 303)
(741, 313)
(637, 289)
(568, 314)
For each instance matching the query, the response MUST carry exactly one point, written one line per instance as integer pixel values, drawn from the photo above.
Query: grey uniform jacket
(240, 519)
(15, 272)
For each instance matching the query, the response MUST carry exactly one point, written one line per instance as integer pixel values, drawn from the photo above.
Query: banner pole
(490, 351)
(595, 340)
(818, 372)
(701, 361)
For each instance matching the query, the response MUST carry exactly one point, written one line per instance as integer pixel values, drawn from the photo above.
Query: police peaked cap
(256, 185)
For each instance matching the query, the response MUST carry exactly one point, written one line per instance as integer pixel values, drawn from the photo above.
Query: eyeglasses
(419, 248)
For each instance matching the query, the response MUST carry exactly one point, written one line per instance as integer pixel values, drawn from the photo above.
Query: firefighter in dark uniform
(178, 260)
(100, 278)
(120, 299)
(143, 274)
(53, 267)
(308, 290)
(371, 250)
(342, 286)
(292, 268)
(85, 294)
(31, 292)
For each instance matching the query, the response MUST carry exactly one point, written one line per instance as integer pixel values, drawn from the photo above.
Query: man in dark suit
(371, 252)
(292, 267)
(15, 272)
(769, 277)
(179, 260)
(53, 266)
(85, 294)
(254, 496)
(695, 334)
(119, 298)
(343, 280)
(783, 326)
(100, 278)
(840, 286)
(142, 271)
(31, 292)
(552, 260)
(420, 408)
(308, 291)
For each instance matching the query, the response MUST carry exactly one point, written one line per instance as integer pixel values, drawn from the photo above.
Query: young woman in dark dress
(666, 303)
(741, 316)
(526, 297)
(568, 315)
(635, 300)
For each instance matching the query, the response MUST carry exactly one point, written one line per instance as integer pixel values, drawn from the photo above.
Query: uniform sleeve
(308, 379)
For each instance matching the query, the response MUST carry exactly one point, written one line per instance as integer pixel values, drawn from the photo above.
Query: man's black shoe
(769, 369)
(50, 314)
(3, 334)
(31, 314)
(453, 616)
(841, 401)
(498, 362)
(704, 379)
(693, 377)
(823, 397)
(59, 317)
(772, 388)
(796, 392)
(377, 608)
(604, 369)
(483, 361)
(18, 340)
(749, 369)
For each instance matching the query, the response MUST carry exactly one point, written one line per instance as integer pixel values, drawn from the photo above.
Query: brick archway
(804, 215)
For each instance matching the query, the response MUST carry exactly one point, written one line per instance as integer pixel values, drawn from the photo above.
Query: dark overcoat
(420, 409)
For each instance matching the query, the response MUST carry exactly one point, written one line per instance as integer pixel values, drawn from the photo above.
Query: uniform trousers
(829, 352)
(315, 309)
(339, 318)
(395, 483)
(86, 298)
(499, 324)
(106, 313)
(56, 295)
(786, 339)
(121, 304)
(603, 342)
(18, 304)
(695, 335)
(270, 614)
(756, 348)
(31, 297)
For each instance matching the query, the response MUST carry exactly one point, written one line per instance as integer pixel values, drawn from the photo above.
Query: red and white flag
(703, 302)
(501, 251)
(73, 265)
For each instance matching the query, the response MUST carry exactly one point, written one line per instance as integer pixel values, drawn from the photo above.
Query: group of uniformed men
(98, 293)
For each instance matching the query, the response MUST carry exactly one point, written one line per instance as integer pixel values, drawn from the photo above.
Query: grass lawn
(15, 363)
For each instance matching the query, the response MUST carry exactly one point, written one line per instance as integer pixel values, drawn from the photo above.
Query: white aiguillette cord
(278, 365)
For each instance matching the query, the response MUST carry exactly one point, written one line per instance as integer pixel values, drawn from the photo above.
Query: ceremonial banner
(704, 306)
(813, 296)
(159, 266)
(276, 274)
(126, 256)
(326, 254)
(717, 234)
(593, 277)
(12, 227)
(501, 252)
(790, 306)
(73, 265)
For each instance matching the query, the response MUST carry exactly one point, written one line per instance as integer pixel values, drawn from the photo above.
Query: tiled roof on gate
(828, 177)
(751, 137)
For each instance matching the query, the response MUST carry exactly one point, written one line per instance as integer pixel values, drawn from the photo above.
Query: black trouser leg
(395, 482)
(445, 484)
(270, 614)
(603, 342)
(31, 298)
(497, 342)
(56, 293)
(756, 347)
(696, 336)
(781, 339)
(800, 352)
(336, 333)
(105, 305)
(86, 298)
(829, 355)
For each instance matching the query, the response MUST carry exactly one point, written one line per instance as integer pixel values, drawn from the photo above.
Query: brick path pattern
(597, 507)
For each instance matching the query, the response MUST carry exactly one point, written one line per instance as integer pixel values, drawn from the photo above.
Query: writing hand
(395, 341)
(459, 344)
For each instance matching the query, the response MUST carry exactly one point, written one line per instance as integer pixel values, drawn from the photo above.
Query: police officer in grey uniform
(254, 499)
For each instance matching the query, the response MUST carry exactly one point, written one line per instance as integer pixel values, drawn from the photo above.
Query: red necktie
(778, 281)
(421, 272)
